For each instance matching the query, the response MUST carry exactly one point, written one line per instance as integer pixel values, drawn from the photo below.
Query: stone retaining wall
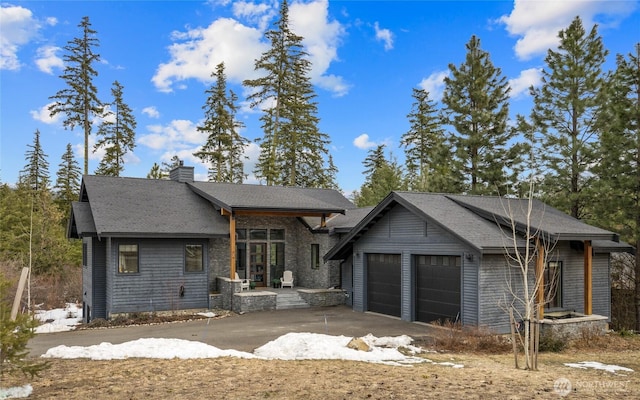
(575, 327)
(323, 297)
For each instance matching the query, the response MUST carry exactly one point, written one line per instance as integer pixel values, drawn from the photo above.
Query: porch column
(232, 245)
(588, 284)
(540, 277)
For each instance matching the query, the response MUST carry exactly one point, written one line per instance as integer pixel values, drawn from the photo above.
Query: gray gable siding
(401, 232)
(156, 287)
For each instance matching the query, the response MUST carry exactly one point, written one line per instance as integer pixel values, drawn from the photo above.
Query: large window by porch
(553, 284)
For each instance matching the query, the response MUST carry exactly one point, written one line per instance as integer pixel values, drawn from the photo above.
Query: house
(164, 245)
(425, 257)
(161, 245)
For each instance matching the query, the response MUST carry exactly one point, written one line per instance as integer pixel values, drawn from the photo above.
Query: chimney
(181, 173)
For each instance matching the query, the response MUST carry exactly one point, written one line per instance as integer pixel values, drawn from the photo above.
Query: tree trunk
(637, 283)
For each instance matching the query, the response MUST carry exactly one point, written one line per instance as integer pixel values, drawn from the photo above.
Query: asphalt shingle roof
(150, 207)
(272, 198)
(543, 218)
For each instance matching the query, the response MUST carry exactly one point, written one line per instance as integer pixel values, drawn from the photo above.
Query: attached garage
(437, 288)
(384, 289)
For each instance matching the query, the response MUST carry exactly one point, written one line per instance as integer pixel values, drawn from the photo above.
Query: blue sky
(367, 57)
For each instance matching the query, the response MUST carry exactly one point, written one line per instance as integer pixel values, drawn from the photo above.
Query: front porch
(230, 296)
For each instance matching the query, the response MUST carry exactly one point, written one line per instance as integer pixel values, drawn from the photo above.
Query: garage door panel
(437, 288)
(384, 284)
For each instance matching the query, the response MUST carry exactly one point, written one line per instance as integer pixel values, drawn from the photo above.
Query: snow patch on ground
(597, 365)
(19, 392)
(59, 319)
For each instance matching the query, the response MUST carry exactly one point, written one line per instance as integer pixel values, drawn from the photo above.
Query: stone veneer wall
(572, 328)
(323, 297)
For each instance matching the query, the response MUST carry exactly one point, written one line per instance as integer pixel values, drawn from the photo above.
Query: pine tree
(79, 100)
(382, 177)
(427, 154)
(293, 150)
(618, 187)
(477, 106)
(157, 172)
(35, 174)
(116, 133)
(224, 149)
(67, 186)
(565, 111)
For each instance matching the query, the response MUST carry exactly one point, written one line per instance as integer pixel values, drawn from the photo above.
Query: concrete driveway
(243, 332)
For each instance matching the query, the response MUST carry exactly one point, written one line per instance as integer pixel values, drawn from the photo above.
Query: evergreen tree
(79, 100)
(427, 154)
(14, 338)
(477, 106)
(35, 174)
(618, 187)
(382, 177)
(293, 150)
(67, 186)
(157, 172)
(565, 111)
(224, 150)
(116, 134)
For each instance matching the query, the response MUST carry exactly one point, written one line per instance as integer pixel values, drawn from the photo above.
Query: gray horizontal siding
(156, 287)
(573, 281)
(99, 272)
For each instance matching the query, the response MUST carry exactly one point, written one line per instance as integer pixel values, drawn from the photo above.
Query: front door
(258, 263)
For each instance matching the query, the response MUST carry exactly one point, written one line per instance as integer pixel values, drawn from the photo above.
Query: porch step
(288, 300)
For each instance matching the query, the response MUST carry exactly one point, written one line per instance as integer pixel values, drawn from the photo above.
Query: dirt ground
(484, 376)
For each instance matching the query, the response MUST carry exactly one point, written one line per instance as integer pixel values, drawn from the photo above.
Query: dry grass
(484, 376)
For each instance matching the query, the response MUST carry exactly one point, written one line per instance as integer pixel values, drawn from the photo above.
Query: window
(553, 284)
(276, 234)
(128, 258)
(258, 234)
(84, 254)
(193, 258)
(315, 256)
(241, 234)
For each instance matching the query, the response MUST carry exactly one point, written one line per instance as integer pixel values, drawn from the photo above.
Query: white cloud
(363, 142)
(520, 85)
(51, 21)
(385, 36)
(18, 28)
(151, 112)
(322, 37)
(434, 84)
(258, 14)
(197, 52)
(42, 115)
(537, 23)
(47, 59)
